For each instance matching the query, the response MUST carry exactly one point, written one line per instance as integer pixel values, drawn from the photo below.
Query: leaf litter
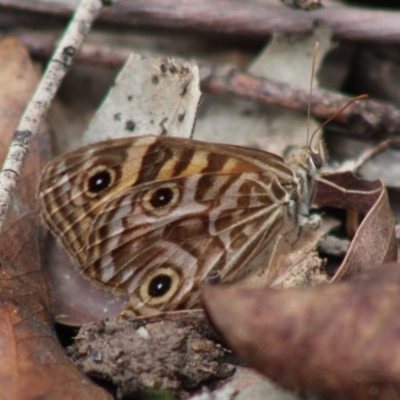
(33, 362)
(295, 262)
(373, 244)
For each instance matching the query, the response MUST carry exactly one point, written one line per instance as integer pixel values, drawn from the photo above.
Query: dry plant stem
(233, 18)
(42, 45)
(369, 154)
(366, 118)
(36, 109)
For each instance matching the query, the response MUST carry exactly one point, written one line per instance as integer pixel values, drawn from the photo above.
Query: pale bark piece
(336, 341)
(151, 96)
(33, 364)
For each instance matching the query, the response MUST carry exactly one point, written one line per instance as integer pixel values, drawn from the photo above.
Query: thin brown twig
(232, 18)
(367, 118)
(42, 45)
(371, 153)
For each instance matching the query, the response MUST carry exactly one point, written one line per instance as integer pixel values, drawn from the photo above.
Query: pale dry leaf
(280, 131)
(335, 246)
(151, 96)
(266, 390)
(289, 60)
(247, 384)
(384, 166)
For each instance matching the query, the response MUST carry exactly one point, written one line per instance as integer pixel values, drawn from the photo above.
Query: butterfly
(156, 216)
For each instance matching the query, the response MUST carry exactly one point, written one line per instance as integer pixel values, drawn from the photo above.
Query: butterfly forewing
(155, 216)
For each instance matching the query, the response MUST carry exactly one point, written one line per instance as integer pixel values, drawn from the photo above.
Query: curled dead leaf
(374, 242)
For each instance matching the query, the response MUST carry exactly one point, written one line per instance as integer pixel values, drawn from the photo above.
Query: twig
(42, 45)
(232, 18)
(36, 109)
(369, 154)
(367, 118)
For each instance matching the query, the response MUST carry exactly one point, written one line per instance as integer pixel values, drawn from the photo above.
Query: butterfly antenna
(350, 102)
(315, 52)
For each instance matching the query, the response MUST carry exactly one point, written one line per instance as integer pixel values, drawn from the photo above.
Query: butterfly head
(310, 159)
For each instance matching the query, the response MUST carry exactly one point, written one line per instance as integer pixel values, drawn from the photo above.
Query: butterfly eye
(159, 286)
(317, 160)
(159, 201)
(100, 178)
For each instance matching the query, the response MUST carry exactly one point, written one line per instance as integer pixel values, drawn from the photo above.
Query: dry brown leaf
(337, 341)
(374, 243)
(33, 363)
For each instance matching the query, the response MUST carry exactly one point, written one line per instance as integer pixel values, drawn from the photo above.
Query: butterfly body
(156, 216)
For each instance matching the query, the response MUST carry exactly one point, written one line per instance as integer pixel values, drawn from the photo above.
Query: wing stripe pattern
(171, 204)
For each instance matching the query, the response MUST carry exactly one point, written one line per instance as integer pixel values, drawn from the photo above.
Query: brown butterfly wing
(87, 198)
(177, 232)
